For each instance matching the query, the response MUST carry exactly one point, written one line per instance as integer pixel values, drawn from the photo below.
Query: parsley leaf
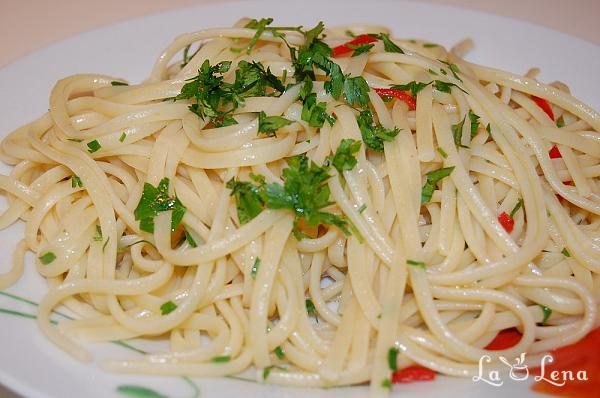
(279, 352)
(335, 84)
(373, 134)
(189, 238)
(168, 307)
(433, 177)
(260, 28)
(93, 146)
(76, 182)
(416, 263)
(303, 58)
(221, 359)
(547, 311)
(412, 87)
(457, 130)
(565, 252)
(270, 124)
(445, 87)
(356, 91)
(516, 208)
(118, 83)
(560, 122)
(47, 258)
(344, 158)
(386, 383)
(388, 45)
(155, 200)
(255, 267)
(360, 48)
(474, 118)
(98, 236)
(310, 308)
(315, 113)
(248, 199)
(305, 192)
(392, 358)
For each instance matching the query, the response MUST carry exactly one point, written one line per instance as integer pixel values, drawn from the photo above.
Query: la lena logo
(518, 371)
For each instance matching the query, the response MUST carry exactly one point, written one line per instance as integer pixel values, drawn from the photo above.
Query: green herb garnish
(117, 83)
(392, 357)
(155, 200)
(255, 267)
(221, 359)
(565, 252)
(416, 263)
(433, 177)
(76, 182)
(47, 258)
(279, 352)
(474, 123)
(93, 146)
(168, 307)
(344, 158)
(269, 125)
(373, 134)
(98, 236)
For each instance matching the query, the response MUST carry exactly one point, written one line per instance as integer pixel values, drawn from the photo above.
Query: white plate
(35, 368)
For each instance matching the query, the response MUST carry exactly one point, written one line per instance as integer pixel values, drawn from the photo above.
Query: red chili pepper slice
(542, 103)
(344, 48)
(506, 221)
(400, 94)
(507, 338)
(412, 374)
(554, 153)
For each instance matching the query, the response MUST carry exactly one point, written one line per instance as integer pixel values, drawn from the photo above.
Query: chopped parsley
(474, 118)
(260, 28)
(362, 208)
(76, 182)
(269, 125)
(313, 112)
(93, 146)
(75, 139)
(488, 128)
(344, 158)
(279, 352)
(560, 122)
(360, 48)
(392, 357)
(356, 91)
(454, 69)
(388, 45)
(416, 263)
(565, 252)
(268, 369)
(386, 383)
(248, 199)
(122, 137)
(47, 258)
(98, 236)
(189, 238)
(430, 45)
(457, 131)
(310, 308)
(221, 359)
(304, 192)
(155, 200)
(118, 83)
(255, 267)
(516, 208)
(216, 99)
(442, 152)
(168, 307)
(547, 313)
(433, 177)
(373, 134)
(445, 87)
(335, 84)
(412, 87)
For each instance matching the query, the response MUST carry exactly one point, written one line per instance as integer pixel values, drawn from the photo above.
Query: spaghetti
(324, 216)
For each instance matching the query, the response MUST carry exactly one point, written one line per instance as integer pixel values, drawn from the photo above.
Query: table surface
(38, 24)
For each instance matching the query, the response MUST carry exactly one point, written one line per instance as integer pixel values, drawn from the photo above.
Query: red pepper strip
(581, 356)
(507, 338)
(554, 153)
(506, 221)
(412, 374)
(344, 48)
(401, 95)
(542, 103)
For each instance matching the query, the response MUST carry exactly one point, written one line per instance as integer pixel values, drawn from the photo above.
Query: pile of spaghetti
(325, 206)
